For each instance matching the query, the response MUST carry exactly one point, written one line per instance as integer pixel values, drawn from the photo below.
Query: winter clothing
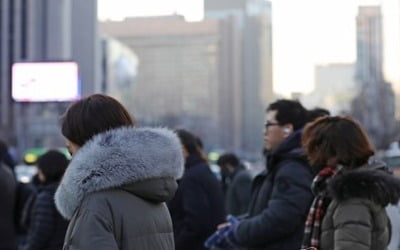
(318, 207)
(8, 187)
(393, 212)
(280, 201)
(115, 188)
(47, 228)
(238, 192)
(356, 218)
(198, 206)
(224, 238)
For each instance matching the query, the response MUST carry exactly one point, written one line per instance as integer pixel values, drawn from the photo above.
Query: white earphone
(286, 131)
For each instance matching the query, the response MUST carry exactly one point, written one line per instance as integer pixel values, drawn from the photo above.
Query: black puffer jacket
(8, 189)
(47, 227)
(198, 205)
(280, 200)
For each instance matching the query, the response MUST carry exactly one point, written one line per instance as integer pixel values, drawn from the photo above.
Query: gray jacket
(238, 193)
(115, 188)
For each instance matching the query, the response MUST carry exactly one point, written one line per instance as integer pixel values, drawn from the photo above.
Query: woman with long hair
(198, 206)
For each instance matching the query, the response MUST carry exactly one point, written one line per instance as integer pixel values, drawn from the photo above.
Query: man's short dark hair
(92, 115)
(289, 112)
(229, 158)
(315, 113)
(53, 165)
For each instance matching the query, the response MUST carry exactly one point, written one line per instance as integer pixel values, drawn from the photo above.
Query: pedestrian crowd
(130, 187)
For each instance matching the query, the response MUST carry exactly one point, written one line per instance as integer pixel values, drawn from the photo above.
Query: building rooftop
(158, 26)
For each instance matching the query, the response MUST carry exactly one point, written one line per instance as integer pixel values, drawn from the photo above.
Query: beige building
(335, 88)
(375, 103)
(177, 81)
(213, 77)
(249, 32)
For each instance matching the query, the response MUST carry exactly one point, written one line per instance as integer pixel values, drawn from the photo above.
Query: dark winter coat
(8, 190)
(115, 188)
(280, 201)
(238, 193)
(46, 226)
(356, 218)
(198, 206)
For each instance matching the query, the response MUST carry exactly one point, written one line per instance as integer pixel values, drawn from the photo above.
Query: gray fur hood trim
(375, 184)
(118, 157)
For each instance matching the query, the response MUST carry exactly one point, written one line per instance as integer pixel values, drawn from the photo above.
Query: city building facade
(62, 30)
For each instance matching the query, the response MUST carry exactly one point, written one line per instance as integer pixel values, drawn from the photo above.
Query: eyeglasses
(269, 124)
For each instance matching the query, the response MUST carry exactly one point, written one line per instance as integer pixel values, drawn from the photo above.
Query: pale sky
(305, 33)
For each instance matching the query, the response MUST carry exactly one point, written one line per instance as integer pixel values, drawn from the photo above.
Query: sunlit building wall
(369, 44)
(334, 89)
(252, 23)
(120, 70)
(177, 80)
(374, 105)
(230, 83)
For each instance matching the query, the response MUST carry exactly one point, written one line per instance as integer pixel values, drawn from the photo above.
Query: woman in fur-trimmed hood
(351, 191)
(115, 188)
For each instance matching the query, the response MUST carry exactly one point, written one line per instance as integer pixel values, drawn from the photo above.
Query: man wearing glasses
(281, 194)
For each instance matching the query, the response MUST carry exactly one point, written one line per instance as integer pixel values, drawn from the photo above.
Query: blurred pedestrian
(393, 212)
(281, 194)
(237, 182)
(120, 176)
(315, 113)
(8, 187)
(351, 190)
(46, 226)
(198, 206)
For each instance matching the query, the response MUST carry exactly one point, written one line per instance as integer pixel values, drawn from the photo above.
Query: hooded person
(281, 193)
(236, 180)
(8, 187)
(46, 227)
(120, 176)
(351, 188)
(198, 206)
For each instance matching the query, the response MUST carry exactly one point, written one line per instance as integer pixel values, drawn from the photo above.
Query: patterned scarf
(321, 201)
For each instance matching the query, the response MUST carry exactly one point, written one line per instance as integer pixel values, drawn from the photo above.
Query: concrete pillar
(58, 30)
(4, 63)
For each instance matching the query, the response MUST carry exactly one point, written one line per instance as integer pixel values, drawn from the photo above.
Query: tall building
(369, 45)
(120, 69)
(62, 30)
(177, 80)
(213, 77)
(391, 48)
(221, 7)
(230, 84)
(250, 21)
(374, 106)
(391, 38)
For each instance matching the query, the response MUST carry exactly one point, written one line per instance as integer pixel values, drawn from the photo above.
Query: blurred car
(25, 173)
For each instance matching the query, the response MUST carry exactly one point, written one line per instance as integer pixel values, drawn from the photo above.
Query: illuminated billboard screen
(45, 81)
